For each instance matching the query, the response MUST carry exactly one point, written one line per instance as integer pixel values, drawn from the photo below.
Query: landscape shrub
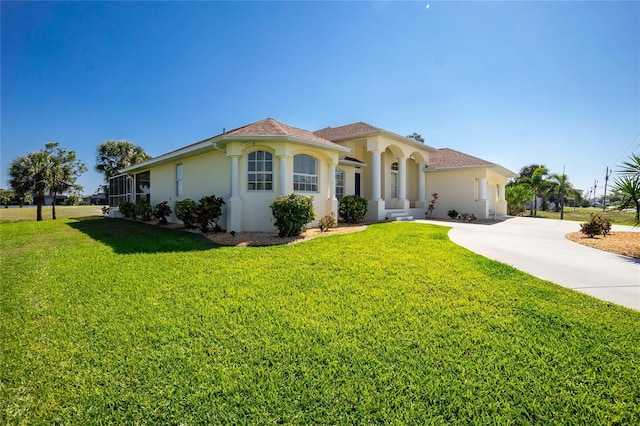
(187, 211)
(432, 204)
(468, 217)
(143, 210)
(353, 208)
(291, 213)
(209, 212)
(127, 209)
(598, 225)
(105, 210)
(453, 214)
(327, 222)
(161, 212)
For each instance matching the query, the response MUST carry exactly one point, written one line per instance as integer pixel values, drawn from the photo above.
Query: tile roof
(347, 131)
(271, 127)
(446, 158)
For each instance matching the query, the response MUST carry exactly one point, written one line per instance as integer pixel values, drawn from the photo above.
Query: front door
(357, 184)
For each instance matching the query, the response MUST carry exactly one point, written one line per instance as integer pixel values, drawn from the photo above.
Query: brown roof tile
(271, 127)
(446, 158)
(347, 131)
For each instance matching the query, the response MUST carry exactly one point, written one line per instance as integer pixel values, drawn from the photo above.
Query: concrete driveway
(539, 247)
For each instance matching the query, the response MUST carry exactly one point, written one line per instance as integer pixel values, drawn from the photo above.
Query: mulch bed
(623, 243)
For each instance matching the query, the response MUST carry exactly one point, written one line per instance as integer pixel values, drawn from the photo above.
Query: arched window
(339, 183)
(305, 173)
(260, 171)
(394, 180)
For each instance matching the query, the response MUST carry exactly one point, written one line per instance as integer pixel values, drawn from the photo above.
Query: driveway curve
(539, 247)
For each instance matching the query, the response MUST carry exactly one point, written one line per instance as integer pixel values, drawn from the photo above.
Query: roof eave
(224, 139)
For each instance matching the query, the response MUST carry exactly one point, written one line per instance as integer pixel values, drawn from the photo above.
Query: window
(119, 190)
(394, 180)
(305, 173)
(178, 180)
(143, 186)
(339, 183)
(260, 171)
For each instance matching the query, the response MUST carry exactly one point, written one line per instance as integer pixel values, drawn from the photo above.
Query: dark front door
(358, 184)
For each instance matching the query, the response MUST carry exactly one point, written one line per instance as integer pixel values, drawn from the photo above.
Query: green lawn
(115, 322)
(28, 213)
(583, 214)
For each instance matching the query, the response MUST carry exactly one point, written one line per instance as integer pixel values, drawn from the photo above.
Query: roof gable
(271, 127)
(446, 158)
(347, 131)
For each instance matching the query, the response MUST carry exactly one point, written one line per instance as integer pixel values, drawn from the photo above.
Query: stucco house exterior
(253, 165)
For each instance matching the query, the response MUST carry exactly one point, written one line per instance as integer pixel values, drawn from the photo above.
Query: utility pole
(595, 185)
(562, 194)
(606, 179)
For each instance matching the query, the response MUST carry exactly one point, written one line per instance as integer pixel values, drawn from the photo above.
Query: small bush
(468, 217)
(353, 208)
(291, 213)
(127, 209)
(432, 204)
(327, 222)
(597, 226)
(161, 212)
(187, 211)
(144, 210)
(209, 212)
(105, 210)
(453, 214)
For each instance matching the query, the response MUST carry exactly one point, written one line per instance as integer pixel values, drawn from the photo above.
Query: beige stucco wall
(459, 189)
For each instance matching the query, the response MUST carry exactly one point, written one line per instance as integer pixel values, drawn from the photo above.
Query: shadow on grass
(127, 237)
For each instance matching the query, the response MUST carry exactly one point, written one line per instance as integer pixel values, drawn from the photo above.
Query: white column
(235, 177)
(501, 192)
(332, 181)
(402, 178)
(482, 190)
(282, 186)
(375, 178)
(421, 184)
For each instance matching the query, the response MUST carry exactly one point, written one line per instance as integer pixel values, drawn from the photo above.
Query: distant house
(252, 165)
(98, 199)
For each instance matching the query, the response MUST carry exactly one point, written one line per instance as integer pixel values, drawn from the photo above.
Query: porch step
(398, 216)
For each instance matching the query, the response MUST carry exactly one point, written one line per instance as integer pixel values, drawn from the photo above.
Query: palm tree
(628, 185)
(629, 189)
(63, 172)
(30, 173)
(538, 184)
(113, 156)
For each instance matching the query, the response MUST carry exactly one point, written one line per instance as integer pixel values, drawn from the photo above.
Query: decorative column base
(234, 214)
(376, 210)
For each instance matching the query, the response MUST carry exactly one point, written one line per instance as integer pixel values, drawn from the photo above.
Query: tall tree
(537, 183)
(5, 197)
(517, 197)
(29, 173)
(627, 185)
(113, 156)
(63, 172)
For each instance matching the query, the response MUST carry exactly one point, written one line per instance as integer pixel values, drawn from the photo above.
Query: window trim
(339, 193)
(308, 181)
(267, 182)
(179, 172)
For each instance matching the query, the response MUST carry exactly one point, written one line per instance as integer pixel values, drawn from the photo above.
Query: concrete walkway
(539, 247)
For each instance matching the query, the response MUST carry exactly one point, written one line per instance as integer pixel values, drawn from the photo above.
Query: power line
(630, 145)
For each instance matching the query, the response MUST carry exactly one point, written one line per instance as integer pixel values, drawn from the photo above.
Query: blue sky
(515, 83)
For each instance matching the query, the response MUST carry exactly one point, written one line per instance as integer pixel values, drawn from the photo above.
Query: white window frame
(394, 180)
(259, 171)
(179, 180)
(303, 181)
(339, 183)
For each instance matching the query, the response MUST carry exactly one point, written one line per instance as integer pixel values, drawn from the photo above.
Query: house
(253, 165)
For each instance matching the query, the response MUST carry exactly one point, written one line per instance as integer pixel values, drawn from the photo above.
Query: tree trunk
(39, 206)
(53, 206)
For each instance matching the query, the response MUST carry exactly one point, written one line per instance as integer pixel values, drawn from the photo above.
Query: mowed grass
(115, 322)
(583, 214)
(28, 213)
